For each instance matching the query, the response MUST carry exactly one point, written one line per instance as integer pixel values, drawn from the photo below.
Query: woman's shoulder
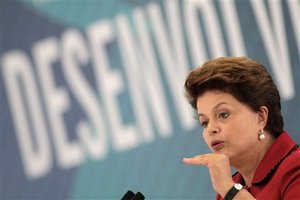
(289, 175)
(291, 162)
(293, 159)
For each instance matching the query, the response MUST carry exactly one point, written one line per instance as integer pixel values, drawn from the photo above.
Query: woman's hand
(219, 170)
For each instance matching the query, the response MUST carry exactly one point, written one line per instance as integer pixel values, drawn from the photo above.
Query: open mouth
(217, 144)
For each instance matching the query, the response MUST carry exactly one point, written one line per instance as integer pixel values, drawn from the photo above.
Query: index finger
(197, 160)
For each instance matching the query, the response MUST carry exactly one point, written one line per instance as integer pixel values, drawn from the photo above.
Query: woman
(238, 106)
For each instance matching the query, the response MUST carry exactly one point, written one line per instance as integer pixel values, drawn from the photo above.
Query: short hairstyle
(245, 79)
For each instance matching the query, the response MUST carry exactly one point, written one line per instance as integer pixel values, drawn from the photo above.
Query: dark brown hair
(245, 79)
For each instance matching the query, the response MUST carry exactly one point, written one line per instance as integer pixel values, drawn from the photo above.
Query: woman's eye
(223, 115)
(204, 124)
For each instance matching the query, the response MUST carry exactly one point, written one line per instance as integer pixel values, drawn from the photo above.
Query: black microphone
(128, 195)
(138, 196)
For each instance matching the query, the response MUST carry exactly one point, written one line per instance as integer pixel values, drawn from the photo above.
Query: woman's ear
(263, 114)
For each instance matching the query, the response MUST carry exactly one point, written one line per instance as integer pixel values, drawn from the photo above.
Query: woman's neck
(248, 164)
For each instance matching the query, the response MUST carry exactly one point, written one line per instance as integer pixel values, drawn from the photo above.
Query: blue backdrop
(92, 98)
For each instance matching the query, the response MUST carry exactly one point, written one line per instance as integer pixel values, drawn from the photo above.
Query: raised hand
(219, 170)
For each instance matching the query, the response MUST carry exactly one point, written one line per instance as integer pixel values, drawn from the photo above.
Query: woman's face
(229, 126)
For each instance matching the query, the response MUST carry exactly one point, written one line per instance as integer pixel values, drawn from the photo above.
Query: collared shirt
(278, 174)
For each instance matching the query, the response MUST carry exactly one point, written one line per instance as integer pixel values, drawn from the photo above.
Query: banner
(92, 101)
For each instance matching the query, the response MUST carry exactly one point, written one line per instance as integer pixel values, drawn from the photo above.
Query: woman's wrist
(225, 188)
(233, 191)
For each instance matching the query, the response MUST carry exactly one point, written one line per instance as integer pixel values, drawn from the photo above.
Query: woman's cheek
(204, 135)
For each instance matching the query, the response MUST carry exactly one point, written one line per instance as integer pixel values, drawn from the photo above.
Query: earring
(261, 135)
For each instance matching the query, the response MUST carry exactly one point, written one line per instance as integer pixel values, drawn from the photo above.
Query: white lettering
(173, 71)
(149, 67)
(194, 34)
(74, 56)
(110, 84)
(275, 44)
(127, 50)
(295, 17)
(68, 153)
(233, 28)
(34, 144)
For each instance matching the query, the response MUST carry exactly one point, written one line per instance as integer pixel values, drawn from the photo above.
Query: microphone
(128, 195)
(138, 196)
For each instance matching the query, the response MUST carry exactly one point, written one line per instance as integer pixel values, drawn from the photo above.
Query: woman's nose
(213, 128)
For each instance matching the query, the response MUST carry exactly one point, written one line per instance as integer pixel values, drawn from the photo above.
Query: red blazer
(278, 175)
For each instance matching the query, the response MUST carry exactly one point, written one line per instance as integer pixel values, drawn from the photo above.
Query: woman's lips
(217, 144)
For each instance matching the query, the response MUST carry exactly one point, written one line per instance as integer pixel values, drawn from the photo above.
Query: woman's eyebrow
(214, 108)
(218, 105)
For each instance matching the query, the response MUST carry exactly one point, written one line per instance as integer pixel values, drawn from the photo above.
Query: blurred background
(91, 91)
